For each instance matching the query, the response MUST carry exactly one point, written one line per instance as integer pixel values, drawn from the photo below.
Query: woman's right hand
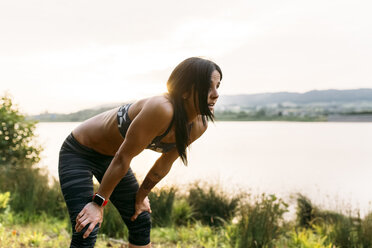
(91, 214)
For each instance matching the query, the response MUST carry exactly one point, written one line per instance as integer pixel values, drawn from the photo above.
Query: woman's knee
(79, 241)
(139, 230)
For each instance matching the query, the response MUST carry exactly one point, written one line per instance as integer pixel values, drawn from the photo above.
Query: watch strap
(99, 200)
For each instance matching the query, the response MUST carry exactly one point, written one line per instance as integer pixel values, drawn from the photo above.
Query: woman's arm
(152, 120)
(161, 168)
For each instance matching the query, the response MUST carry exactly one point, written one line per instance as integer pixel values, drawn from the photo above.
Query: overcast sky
(62, 56)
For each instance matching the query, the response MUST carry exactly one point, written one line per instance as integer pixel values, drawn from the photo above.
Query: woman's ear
(186, 95)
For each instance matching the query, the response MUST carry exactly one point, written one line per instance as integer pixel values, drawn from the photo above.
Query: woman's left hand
(141, 207)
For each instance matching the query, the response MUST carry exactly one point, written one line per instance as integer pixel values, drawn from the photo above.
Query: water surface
(329, 162)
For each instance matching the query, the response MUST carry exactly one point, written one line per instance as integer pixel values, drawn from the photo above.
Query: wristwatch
(99, 200)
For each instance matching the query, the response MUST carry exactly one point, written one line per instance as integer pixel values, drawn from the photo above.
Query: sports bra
(156, 145)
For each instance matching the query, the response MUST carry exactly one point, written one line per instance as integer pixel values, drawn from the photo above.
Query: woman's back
(101, 132)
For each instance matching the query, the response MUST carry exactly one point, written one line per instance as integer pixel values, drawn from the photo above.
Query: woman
(104, 146)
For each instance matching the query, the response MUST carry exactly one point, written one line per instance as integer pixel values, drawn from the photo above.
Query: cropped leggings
(77, 166)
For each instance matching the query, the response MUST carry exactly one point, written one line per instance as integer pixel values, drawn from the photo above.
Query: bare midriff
(100, 133)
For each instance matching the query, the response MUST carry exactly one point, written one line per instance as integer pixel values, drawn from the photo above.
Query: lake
(331, 163)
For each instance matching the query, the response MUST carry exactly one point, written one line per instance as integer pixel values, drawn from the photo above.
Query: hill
(316, 105)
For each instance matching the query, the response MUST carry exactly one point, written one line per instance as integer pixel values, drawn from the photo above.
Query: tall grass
(304, 238)
(162, 206)
(183, 213)
(211, 205)
(31, 192)
(344, 231)
(261, 221)
(366, 231)
(258, 222)
(305, 211)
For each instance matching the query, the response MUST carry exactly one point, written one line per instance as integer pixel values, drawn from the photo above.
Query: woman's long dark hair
(191, 75)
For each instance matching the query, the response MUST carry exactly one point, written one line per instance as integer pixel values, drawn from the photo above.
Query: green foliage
(112, 224)
(366, 231)
(261, 222)
(162, 206)
(211, 205)
(16, 134)
(4, 199)
(305, 238)
(345, 233)
(304, 212)
(31, 192)
(196, 235)
(182, 213)
(44, 232)
(341, 230)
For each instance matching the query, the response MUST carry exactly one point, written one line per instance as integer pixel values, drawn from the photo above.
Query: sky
(63, 56)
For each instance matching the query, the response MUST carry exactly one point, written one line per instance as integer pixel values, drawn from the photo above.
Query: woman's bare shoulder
(160, 105)
(156, 105)
(153, 113)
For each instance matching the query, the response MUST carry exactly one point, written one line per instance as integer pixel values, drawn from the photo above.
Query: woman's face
(192, 103)
(213, 90)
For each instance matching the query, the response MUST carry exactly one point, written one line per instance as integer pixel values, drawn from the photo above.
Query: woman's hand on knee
(91, 214)
(141, 207)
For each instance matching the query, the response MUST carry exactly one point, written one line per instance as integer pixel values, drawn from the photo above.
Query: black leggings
(77, 165)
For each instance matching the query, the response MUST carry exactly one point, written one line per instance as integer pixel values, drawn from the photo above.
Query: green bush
(211, 205)
(305, 211)
(304, 238)
(261, 222)
(366, 231)
(16, 136)
(341, 230)
(345, 233)
(162, 206)
(31, 191)
(182, 213)
(4, 199)
(112, 224)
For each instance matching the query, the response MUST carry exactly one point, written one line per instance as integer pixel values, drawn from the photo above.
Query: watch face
(99, 200)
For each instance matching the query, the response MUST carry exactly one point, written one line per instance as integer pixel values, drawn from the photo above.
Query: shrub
(182, 213)
(29, 186)
(304, 212)
(342, 231)
(345, 232)
(162, 206)
(260, 223)
(305, 238)
(31, 193)
(16, 136)
(211, 205)
(366, 231)
(4, 199)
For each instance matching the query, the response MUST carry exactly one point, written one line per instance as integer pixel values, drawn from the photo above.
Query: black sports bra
(156, 144)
